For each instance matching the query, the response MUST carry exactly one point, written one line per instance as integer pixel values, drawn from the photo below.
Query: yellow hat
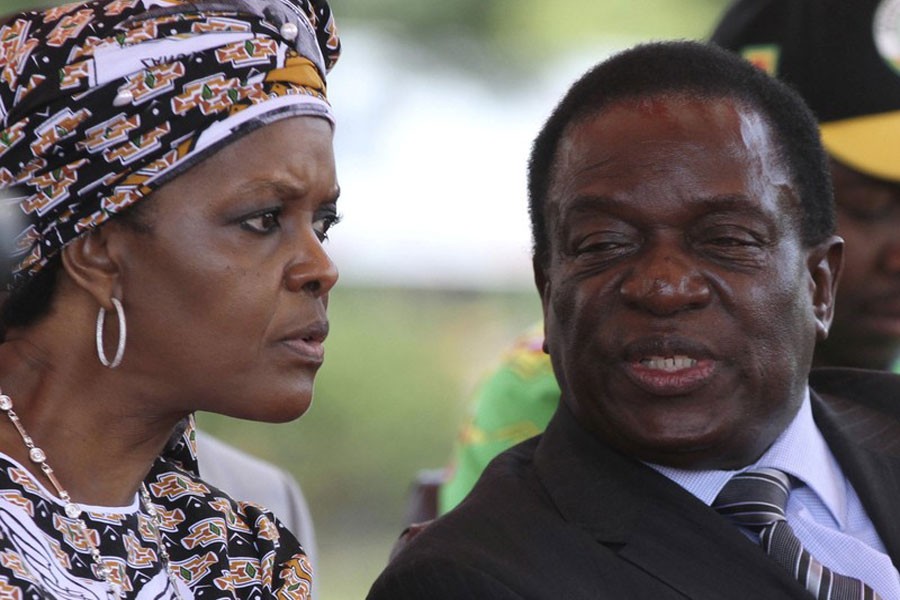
(870, 144)
(843, 57)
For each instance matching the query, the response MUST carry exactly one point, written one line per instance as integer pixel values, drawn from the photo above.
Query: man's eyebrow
(732, 203)
(585, 205)
(590, 204)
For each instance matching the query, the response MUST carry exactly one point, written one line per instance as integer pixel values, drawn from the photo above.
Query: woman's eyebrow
(281, 188)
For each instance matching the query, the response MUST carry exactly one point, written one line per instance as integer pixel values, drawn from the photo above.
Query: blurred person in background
(173, 169)
(686, 261)
(843, 58)
(512, 403)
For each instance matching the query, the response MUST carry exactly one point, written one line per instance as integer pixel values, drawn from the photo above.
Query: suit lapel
(650, 521)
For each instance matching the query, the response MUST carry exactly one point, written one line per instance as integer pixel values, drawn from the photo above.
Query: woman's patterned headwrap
(102, 102)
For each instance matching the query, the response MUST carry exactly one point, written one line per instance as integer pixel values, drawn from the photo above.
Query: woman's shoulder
(174, 482)
(206, 528)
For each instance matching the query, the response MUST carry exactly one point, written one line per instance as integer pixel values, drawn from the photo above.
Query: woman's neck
(96, 439)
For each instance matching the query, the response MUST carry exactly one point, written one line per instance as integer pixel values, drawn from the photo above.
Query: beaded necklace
(74, 511)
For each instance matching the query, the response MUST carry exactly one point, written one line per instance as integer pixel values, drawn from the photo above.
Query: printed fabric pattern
(103, 102)
(218, 547)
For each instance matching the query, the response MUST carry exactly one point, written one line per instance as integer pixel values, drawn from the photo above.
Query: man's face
(681, 306)
(866, 330)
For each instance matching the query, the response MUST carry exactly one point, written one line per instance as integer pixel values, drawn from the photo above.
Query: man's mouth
(674, 375)
(669, 363)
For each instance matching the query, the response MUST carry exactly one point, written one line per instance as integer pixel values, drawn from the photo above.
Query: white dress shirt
(826, 514)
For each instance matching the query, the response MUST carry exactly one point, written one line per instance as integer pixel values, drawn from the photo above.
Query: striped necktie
(757, 500)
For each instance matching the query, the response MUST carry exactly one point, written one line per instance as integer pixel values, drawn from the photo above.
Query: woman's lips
(308, 342)
(310, 350)
(673, 375)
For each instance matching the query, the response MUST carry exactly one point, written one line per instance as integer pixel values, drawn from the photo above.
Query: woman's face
(225, 296)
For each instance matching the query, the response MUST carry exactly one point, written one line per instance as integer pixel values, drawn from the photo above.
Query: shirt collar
(800, 451)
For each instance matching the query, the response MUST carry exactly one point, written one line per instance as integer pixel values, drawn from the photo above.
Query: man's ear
(90, 265)
(542, 282)
(826, 262)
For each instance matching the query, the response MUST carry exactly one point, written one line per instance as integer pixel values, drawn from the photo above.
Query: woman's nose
(313, 271)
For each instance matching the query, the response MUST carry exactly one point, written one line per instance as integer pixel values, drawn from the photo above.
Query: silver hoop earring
(120, 348)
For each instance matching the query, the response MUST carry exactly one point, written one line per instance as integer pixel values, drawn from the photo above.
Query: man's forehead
(674, 105)
(653, 123)
(719, 144)
(679, 107)
(593, 137)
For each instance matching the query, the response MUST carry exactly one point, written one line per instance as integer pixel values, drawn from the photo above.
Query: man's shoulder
(858, 405)
(438, 578)
(507, 498)
(841, 388)
(481, 548)
(508, 490)
(494, 544)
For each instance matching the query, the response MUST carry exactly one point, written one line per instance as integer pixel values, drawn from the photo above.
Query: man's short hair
(697, 70)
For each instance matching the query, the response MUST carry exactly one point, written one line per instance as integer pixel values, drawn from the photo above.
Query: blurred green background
(402, 361)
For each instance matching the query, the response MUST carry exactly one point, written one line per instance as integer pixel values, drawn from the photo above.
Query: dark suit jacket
(564, 517)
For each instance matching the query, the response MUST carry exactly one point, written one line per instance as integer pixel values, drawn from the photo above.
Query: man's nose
(665, 282)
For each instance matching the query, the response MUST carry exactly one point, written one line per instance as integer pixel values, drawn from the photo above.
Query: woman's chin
(273, 409)
(294, 412)
(287, 411)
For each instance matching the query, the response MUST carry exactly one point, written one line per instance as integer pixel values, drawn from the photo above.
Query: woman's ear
(825, 264)
(90, 265)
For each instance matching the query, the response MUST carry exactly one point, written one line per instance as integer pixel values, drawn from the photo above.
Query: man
(685, 257)
(839, 56)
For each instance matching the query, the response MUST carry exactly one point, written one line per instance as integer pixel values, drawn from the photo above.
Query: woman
(172, 167)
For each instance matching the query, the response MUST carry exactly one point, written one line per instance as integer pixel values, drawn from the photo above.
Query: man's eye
(324, 223)
(600, 240)
(729, 236)
(264, 222)
(599, 247)
(728, 242)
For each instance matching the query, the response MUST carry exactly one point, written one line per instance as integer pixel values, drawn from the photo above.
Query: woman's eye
(264, 222)
(324, 223)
